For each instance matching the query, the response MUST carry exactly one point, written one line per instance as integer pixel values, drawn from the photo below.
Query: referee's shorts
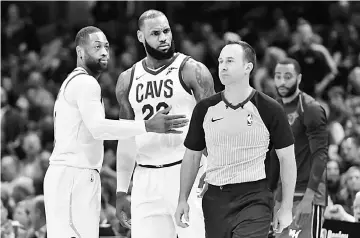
(238, 210)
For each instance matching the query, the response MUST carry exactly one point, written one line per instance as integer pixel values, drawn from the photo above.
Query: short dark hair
(293, 62)
(149, 14)
(83, 35)
(249, 52)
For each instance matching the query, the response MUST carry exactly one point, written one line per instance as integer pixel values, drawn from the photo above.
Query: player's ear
(140, 36)
(299, 77)
(249, 66)
(79, 52)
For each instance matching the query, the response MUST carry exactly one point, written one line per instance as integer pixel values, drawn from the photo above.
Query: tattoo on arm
(122, 96)
(204, 82)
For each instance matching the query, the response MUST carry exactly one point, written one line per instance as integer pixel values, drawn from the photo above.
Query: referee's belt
(160, 166)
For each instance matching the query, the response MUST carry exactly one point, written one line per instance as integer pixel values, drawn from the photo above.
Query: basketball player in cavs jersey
(164, 78)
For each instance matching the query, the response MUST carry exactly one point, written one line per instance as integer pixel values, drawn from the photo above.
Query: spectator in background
(21, 214)
(318, 68)
(56, 57)
(41, 100)
(12, 124)
(7, 229)
(355, 118)
(30, 165)
(46, 132)
(230, 37)
(333, 179)
(9, 168)
(337, 212)
(339, 111)
(19, 32)
(37, 217)
(107, 90)
(194, 44)
(21, 188)
(356, 207)
(213, 45)
(337, 133)
(354, 78)
(264, 75)
(281, 34)
(44, 160)
(349, 152)
(351, 187)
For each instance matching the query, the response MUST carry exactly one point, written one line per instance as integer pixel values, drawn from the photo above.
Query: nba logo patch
(91, 178)
(249, 119)
(292, 117)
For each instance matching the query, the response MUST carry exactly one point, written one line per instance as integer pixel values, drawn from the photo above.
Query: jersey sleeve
(281, 134)
(195, 138)
(92, 112)
(275, 119)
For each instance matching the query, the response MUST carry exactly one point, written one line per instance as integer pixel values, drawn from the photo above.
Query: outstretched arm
(88, 100)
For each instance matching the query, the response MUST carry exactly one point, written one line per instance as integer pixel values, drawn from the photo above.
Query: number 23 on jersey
(149, 110)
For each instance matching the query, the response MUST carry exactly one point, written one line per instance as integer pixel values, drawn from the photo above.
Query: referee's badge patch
(249, 119)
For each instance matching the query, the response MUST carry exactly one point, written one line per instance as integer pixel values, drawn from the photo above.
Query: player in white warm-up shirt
(163, 78)
(72, 189)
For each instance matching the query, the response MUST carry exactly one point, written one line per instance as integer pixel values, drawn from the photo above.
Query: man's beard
(291, 91)
(95, 65)
(160, 55)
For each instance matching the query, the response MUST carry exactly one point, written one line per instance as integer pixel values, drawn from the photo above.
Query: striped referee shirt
(238, 138)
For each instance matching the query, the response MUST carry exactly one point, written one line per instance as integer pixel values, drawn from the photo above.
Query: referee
(238, 127)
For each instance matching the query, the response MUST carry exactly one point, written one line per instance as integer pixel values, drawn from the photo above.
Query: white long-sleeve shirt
(80, 125)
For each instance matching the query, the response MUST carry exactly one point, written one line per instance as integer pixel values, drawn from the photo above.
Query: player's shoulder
(125, 77)
(127, 73)
(193, 69)
(266, 103)
(310, 104)
(191, 65)
(83, 80)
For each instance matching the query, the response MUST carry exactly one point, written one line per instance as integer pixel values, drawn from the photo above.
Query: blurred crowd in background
(37, 53)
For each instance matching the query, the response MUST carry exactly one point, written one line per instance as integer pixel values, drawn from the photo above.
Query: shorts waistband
(58, 165)
(242, 186)
(160, 166)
